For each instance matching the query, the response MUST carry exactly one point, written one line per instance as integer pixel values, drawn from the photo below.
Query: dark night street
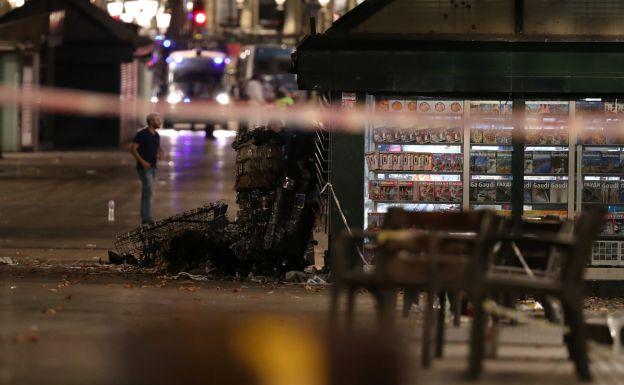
(55, 204)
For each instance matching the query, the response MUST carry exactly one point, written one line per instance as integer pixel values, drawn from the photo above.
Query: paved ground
(56, 204)
(78, 323)
(95, 325)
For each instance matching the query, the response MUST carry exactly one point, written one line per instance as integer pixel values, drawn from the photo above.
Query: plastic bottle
(111, 211)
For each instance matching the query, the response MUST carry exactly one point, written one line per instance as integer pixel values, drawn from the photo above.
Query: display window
(457, 155)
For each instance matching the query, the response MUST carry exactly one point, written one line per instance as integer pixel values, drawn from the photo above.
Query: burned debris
(273, 226)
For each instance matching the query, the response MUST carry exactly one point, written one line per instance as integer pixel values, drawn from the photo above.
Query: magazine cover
(447, 163)
(384, 161)
(422, 136)
(372, 161)
(503, 162)
(476, 135)
(456, 191)
(437, 162)
(559, 192)
(406, 161)
(610, 162)
(426, 191)
(594, 136)
(503, 137)
(560, 137)
(395, 160)
(479, 161)
(388, 190)
(406, 190)
(591, 162)
(457, 162)
(473, 192)
(559, 162)
(542, 163)
(610, 192)
(491, 162)
(374, 190)
(375, 221)
(528, 195)
(592, 192)
(442, 192)
(424, 161)
(486, 191)
(528, 163)
(532, 136)
(540, 192)
(503, 191)
(454, 135)
(437, 135)
(489, 136)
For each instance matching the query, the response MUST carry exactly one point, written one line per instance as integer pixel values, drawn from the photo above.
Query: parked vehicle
(272, 62)
(195, 76)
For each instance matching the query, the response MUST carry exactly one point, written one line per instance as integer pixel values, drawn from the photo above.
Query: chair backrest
(586, 231)
(483, 223)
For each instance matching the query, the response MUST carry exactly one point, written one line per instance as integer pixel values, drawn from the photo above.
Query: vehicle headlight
(223, 98)
(174, 98)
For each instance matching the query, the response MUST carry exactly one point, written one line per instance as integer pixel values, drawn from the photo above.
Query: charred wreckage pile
(277, 200)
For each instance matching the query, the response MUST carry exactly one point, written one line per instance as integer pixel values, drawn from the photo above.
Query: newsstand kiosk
(469, 67)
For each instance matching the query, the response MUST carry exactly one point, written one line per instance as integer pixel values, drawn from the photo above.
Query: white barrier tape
(347, 120)
(330, 188)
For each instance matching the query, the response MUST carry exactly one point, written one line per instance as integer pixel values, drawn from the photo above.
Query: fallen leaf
(69, 297)
(50, 312)
(128, 285)
(53, 290)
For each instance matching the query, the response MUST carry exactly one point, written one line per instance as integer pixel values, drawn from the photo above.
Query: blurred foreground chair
(566, 285)
(530, 259)
(434, 252)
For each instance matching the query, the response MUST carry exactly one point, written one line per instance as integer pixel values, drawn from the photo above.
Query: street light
(115, 8)
(280, 4)
(149, 7)
(163, 20)
(133, 8)
(16, 3)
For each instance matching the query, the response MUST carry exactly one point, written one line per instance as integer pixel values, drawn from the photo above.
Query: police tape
(348, 118)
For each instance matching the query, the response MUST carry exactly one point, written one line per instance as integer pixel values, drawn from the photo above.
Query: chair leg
(427, 324)
(350, 305)
(456, 307)
(477, 339)
(439, 348)
(408, 299)
(549, 310)
(333, 308)
(386, 300)
(577, 339)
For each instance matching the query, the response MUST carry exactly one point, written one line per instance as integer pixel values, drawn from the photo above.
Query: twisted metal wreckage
(277, 200)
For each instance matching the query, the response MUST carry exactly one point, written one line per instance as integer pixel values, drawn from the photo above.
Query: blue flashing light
(218, 60)
(227, 60)
(178, 59)
(159, 37)
(169, 59)
(186, 100)
(167, 43)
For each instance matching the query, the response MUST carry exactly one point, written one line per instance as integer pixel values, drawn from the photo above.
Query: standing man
(146, 150)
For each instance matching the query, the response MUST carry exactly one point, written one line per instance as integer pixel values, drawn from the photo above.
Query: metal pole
(517, 160)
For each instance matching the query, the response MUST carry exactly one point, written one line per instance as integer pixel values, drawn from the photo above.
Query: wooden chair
(413, 248)
(528, 259)
(567, 286)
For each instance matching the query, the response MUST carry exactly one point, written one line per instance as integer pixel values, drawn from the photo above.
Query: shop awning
(361, 54)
